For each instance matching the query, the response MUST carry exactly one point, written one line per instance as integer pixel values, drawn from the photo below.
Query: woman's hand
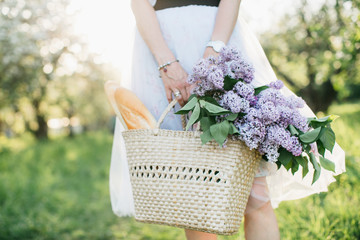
(175, 79)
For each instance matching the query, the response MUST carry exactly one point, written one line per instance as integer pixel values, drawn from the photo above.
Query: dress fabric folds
(186, 31)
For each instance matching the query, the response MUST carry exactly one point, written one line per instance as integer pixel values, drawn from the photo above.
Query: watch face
(217, 45)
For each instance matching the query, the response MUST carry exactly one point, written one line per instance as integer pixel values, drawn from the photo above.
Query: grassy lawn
(58, 189)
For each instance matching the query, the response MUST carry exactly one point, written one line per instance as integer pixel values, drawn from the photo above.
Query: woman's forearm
(149, 29)
(226, 18)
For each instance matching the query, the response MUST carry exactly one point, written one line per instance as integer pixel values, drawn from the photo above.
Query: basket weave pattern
(179, 182)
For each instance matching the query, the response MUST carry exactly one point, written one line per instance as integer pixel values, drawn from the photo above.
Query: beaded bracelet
(167, 64)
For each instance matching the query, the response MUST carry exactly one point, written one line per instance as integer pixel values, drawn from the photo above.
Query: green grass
(58, 189)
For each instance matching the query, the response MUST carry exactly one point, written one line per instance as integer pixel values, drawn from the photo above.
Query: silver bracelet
(166, 64)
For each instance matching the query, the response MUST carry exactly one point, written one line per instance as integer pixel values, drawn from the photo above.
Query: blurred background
(56, 124)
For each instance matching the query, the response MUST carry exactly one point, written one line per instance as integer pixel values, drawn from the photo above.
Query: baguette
(133, 111)
(110, 87)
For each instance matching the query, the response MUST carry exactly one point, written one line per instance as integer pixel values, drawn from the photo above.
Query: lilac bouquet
(227, 105)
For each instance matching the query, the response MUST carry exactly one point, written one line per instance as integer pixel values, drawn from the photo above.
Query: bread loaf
(133, 111)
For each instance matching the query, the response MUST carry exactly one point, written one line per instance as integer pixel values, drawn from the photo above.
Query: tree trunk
(42, 131)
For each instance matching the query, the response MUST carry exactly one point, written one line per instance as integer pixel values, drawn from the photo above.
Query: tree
(317, 52)
(40, 58)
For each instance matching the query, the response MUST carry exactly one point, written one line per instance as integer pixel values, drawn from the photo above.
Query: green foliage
(323, 136)
(229, 83)
(310, 136)
(316, 51)
(46, 71)
(204, 109)
(56, 189)
(335, 214)
(259, 89)
(207, 109)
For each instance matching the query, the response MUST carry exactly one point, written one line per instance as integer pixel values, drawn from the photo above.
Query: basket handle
(167, 110)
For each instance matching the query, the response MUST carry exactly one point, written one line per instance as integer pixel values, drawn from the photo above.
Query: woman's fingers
(184, 94)
(168, 94)
(175, 80)
(178, 96)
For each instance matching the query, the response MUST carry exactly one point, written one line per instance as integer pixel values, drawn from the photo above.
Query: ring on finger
(177, 93)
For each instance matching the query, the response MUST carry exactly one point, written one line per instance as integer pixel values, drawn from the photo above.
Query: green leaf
(210, 100)
(303, 162)
(233, 129)
(320, 147)
(300, 160)
(231, 117)
(206, 136)
(259, 89)
(309, 119)
(327, 164)
(328, 139)
(288, 165)
(315, 123)
(293, 130)
(212, 108)
(295, 166)
(310, 136)
(285, 157)
(188, 106)
(220, 131)
(192, 96)
(305, 167)
(316, 165)
(194, 116)
(307, 147)
(205, 123)
(229, 83)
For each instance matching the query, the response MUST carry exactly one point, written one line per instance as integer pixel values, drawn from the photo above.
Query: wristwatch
(216, 45)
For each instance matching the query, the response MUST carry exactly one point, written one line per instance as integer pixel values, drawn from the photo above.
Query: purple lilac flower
(216, 77)
(286, 114)
(295, 146)
(278, 84)
(200, 70)
(253, 114)
(247, 73)
(270, 149)
(279, 135)
(253, 100)
(245, 90)
(295, 102)
(212, 60)
(271, 95)
(224, 68)
(234, 102)
(242, 70)
(202, 87)
(229, 53)
(269, 112)
(198, 91)
(193, 79)
(299, 121)
(252, 133)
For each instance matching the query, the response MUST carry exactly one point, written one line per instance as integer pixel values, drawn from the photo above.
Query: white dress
(186, 31)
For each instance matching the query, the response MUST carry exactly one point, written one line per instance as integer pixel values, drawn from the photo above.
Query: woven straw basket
(179, 182)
